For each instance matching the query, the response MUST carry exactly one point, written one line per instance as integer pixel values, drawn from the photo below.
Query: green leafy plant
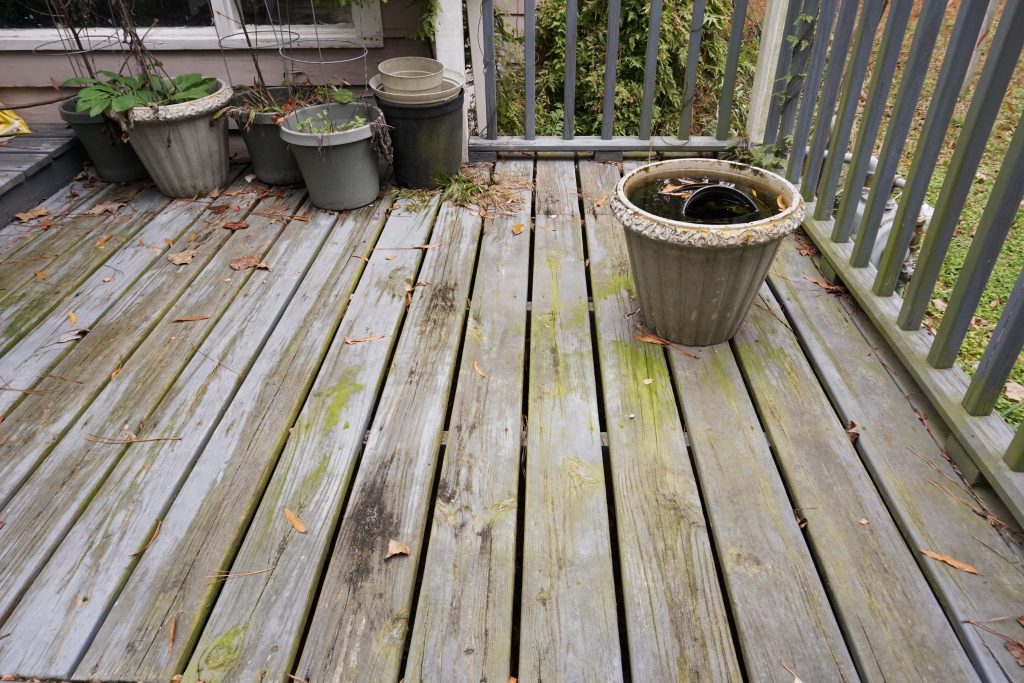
(117, 93)
(321, 123)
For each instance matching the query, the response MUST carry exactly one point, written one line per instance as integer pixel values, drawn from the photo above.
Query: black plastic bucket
(427, 140)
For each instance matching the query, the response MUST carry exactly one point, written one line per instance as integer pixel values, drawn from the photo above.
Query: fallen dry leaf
(601, 201)
(108, 279)
(26, 216)
(104, 207)
(518, 228)
(214, 193)
(246, 262)
(952, 562)
(852, 430)
(781, 203)
(1016, 648)
(72, 318)
(235, 225)
(396, 548)
(356, 340)
(294, 520)
(156, 532)
(182, 257)
(190, 318)
(478, 370)
(218, 208)
(641, 335)
(1014, 391)
(831, 289)
(806, 249)
(939, 304)
(40, 274)
(103, 240)
(863, 521)
(169, 243)
(791, 672)
(117, 370)
(170, 636)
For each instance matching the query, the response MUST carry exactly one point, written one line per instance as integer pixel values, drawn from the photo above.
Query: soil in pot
(184, 148)
(333, 147)
(272, 161)
(427, 140)
(114, 160)
(701, 236)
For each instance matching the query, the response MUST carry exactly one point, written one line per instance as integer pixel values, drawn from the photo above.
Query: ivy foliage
(592, 39)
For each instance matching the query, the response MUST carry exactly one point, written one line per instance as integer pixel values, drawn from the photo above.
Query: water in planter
(709, 198)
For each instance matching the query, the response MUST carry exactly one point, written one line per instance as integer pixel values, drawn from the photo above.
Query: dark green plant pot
(272, 161)
(184, 148)
(340, 169)
(114, 160)
(696, 282)
(427, 140)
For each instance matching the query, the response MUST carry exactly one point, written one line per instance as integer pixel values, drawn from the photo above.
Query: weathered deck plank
(31, 428)
(27, 360)
(878, 591)
(922, 490)
(569, 627)
(463, 629)
(55, 620)
(16, 235)
(319, 454)
(203, 527)
(366, 599)
(66, 480)
(676, 618)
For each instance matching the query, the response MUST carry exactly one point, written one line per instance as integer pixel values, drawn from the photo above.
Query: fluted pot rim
(683, 233)
(160, 113)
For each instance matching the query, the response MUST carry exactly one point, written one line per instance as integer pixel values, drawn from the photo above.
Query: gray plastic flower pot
(113, 159)
(181, 145)
(340, 169)
(696, 282)
(272, 161)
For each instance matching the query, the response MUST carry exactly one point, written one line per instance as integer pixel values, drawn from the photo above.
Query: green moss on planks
(346, 387)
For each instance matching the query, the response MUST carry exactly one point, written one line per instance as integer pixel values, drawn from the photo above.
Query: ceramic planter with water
(696, 282)
(114, 160)
(272, 161)
(340, 168)
(182, 146)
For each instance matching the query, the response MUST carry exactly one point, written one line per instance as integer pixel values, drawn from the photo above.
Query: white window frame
(366, 29)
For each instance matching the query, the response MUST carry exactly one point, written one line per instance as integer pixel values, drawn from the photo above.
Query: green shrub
(590, 56)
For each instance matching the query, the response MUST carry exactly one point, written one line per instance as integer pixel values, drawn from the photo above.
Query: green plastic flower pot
(114, 160)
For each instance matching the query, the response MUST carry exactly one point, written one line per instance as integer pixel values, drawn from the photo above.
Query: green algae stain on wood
(223, 652)
(343, 391)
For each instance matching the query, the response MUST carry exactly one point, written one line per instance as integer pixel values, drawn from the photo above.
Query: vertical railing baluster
(829, 94)
(530, 67)
(798, 69)
(1002, 352)
(732, 61)
(781, 83)
(988, 96)
(926, 32)
(611, 62)
(1015, 453)
(650, 69)
(930, 142)
(692, 63)
(815, 73)
(870, 15)
(569, 102)
(1003, 204)
(871, 119)
(490, 70)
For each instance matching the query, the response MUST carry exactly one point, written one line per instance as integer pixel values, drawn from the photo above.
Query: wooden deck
(208, 481)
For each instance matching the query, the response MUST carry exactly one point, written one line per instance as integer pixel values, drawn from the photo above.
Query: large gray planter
(272, 161)
(114, 160)
(695, 282)
(340, 169)
(181, 145)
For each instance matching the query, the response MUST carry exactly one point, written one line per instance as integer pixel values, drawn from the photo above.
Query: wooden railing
(811, 75)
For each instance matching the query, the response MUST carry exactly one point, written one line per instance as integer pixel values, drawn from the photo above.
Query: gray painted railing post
(1015, 453)
(490, 70)
(611, 62)
(988, 96)
(650, 69)
(870, 15)
(692, 62)
(871, 121)
(530, 68)
(904, 108)
(780, 86)
(773, 31)
(569, 100)
(732, 61)
(815, 73)
(999, 357)
(1003, 203)
(930, 142)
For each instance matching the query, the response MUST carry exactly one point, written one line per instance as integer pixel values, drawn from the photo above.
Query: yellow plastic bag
(11, 123)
